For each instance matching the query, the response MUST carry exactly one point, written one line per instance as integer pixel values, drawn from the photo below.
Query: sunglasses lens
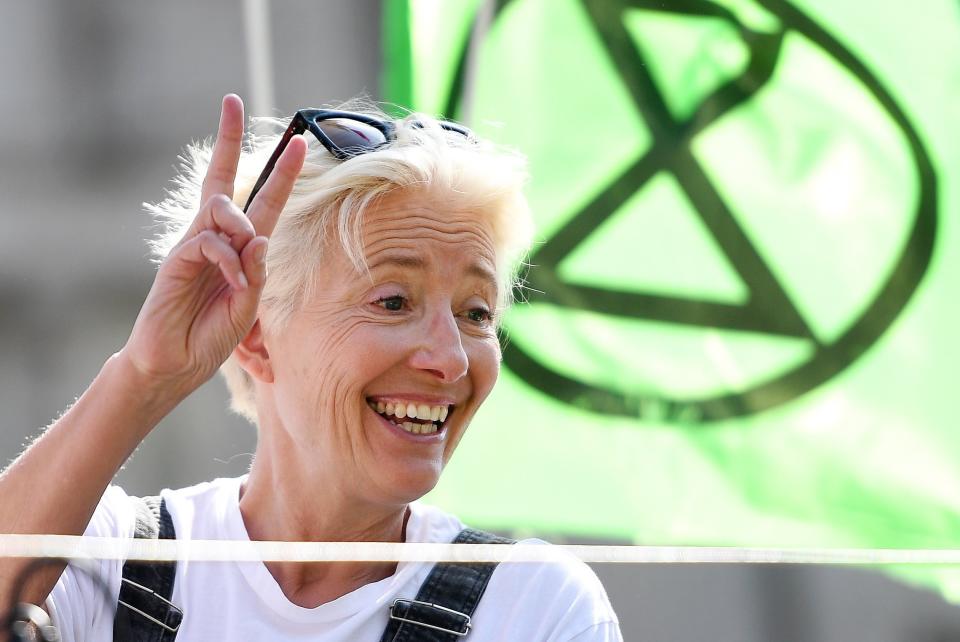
(351, 136)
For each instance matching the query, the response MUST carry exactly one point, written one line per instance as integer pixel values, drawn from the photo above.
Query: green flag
(740, 321)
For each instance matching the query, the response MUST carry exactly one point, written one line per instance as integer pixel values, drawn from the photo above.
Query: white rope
(71, 546)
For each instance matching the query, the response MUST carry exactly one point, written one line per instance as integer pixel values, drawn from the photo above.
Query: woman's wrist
(153, 396)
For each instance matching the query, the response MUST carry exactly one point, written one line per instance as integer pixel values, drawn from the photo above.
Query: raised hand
(204, 298)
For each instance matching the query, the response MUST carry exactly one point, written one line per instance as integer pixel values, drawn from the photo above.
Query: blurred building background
(98, 97)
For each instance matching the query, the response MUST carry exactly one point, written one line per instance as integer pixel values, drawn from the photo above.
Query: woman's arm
(202, 302)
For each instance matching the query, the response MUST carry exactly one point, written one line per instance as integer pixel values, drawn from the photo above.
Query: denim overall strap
(144, 610)
(447, 599)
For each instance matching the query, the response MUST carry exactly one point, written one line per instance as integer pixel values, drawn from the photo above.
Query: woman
(361, 359)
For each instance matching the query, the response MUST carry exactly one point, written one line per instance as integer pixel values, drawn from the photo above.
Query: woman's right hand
(205, 296)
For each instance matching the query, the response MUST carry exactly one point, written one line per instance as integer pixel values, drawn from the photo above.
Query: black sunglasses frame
(310, 119)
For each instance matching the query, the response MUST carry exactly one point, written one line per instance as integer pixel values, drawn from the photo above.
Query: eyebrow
(411, 261)
(399, 260)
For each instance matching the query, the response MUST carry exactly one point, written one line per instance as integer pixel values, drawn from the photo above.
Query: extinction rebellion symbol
(768, 307)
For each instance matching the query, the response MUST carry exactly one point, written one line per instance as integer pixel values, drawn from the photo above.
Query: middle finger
(269, 201)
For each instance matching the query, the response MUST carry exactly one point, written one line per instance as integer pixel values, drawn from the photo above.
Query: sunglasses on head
(345, 135)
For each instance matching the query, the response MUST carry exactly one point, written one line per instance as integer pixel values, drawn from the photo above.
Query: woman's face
(377, 377)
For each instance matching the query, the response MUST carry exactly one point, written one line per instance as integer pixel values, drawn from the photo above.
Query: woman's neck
(287, 501)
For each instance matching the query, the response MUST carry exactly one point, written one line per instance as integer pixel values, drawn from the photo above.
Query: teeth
(418, 429)
(402, 410)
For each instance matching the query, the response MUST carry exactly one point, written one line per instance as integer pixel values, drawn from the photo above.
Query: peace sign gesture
(205, 296)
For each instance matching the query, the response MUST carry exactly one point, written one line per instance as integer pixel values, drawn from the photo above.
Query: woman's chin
(414, 484)
(409, 466)
(404, 484)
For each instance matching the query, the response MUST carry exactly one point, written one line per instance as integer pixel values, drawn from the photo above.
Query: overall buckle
(463, 623)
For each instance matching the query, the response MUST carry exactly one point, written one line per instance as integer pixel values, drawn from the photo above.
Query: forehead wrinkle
(409, 245)
(391, 256)
(404, 240)
(427, 227)
(392, 236)
(428, 230)
(398, 257)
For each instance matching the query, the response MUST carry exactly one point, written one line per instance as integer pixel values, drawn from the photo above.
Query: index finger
(269, 201)
(222, 170)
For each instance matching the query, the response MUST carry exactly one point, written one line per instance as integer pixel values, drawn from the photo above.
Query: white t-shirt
(527, 602)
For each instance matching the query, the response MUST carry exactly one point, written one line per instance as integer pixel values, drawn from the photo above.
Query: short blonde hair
(332, 195)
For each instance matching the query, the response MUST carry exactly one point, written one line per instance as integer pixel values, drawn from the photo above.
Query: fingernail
(242, 279)
(260, 253)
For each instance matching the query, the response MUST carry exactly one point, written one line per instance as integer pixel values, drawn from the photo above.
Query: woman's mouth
(415, 418)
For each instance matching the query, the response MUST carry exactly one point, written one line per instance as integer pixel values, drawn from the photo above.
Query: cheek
(321, 367)
(355, 354)
(485, 368)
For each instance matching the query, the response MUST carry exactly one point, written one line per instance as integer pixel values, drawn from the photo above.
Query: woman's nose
(441, 348)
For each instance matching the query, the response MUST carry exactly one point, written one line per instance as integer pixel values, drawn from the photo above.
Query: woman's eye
(392, 303)
(479, 315)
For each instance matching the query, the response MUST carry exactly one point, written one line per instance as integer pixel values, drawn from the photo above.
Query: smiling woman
(414, 331)
(361, 359)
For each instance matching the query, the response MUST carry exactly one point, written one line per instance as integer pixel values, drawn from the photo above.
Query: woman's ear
(251, 353)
